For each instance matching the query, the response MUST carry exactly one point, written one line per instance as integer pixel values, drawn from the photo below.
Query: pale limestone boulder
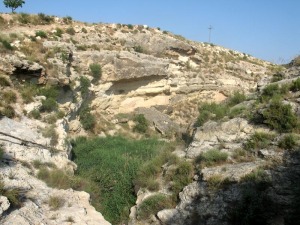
(212, 134)
(4, 204)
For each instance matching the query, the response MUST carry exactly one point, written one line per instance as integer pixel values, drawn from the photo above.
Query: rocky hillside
(61, 79)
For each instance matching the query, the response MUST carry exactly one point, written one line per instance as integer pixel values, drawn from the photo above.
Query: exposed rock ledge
(35, 193)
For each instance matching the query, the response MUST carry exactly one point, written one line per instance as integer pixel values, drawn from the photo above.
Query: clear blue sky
(267, 29)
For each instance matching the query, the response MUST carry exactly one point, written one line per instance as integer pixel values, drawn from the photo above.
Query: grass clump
(96, 70)
(9, 97)
(84, 85)
(48, 105)
(217, 182)
(258, 140)
(295, 85)
(28, 91)
(288, 142)
(44, 19)
(56, 202)
(141, 125)
(55, 178)
(138, 49)
(67, 19)
(211, 111)
(35, 114)
(277, 77)
(50, 132)
(148, 173)
(256, 176)
(8, 111)
(97, 160)
(24, 18)
(70, 31)
(59, 32)
(211, 157)
(4, 82)
(242, 155)
(182, 176)
(152, 205)
(41, 33)
(236, 98)
(87, 119)
(13, 195)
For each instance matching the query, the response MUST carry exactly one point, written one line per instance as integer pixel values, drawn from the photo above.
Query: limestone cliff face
(141, 66)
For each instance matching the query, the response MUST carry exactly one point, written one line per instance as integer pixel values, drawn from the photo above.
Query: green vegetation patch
(280, 117)
(211, 111)
(112, 163)
(141, 125)
(96, 70)
(211, 157)
(152, 205)
(258, 140)
(295, 85)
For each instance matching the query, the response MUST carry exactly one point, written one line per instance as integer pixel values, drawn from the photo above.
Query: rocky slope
(47, 80)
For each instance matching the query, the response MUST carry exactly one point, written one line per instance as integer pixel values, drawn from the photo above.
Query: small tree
(13, 4)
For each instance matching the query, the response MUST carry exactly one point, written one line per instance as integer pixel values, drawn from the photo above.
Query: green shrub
(70, 31)
(7, 45)
(41, 33)
(35, 114)
(141, 125)
(83, 30)
(28, 91)
(84, 85)
(67, 20)
(237, 111)
(288, 142)
(9, 97)
(138, 49)
(8, 111)
(4, 82)
(236, 98)
(96, 70)
(295, 85)
(280, 117)
(147, 175)
(45, 19)
(55, 202)
(87, 120)
(242, 155)
(152, 205)
(270, 91)
(211, 111)
(13, 195)
(51, 119)
(48, 105)
(59, 32)
(24, 18)
(211, 157)
(130, 26)
(55, 178)
(277, 77)
(49, 92)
